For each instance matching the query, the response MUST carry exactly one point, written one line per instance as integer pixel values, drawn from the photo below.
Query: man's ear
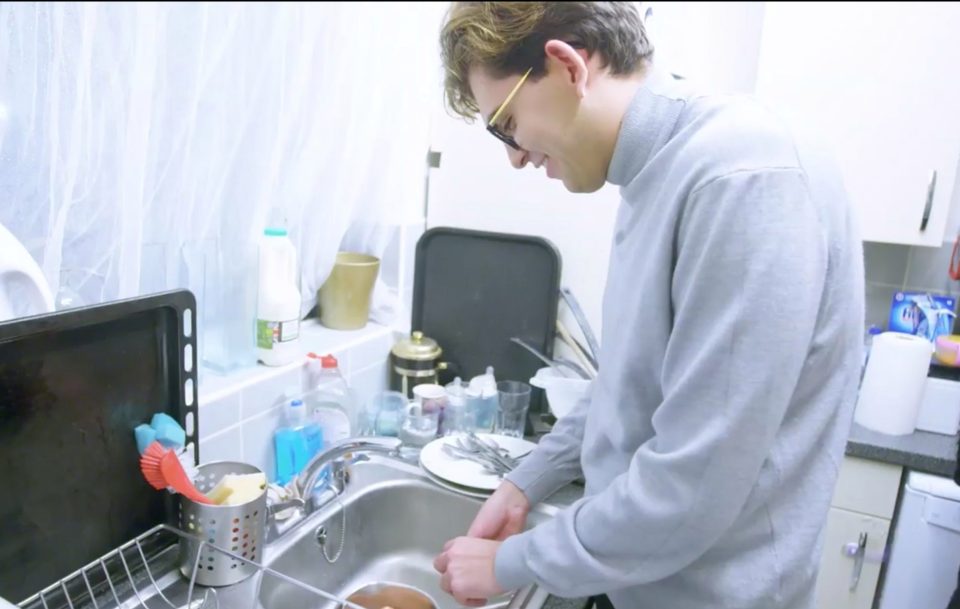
(572, 61)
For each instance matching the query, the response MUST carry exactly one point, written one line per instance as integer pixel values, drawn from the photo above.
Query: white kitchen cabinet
(850, 566)
(714, 44)
(874, 80)
(858, 526)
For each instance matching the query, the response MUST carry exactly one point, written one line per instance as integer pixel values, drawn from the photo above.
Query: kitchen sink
(397, 521)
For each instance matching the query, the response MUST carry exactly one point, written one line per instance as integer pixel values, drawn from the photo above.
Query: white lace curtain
(139, 138)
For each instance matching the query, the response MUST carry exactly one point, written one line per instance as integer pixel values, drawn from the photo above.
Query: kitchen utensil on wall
(574, 305)
(415, 361)
(559, 362)
(564, 334)
(77, 382)
(344, 298)
(475, 290)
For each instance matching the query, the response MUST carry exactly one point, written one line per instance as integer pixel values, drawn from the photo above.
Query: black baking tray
(73, 385)
(474, 290)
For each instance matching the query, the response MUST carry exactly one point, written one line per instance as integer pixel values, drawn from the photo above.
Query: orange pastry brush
(162, 469)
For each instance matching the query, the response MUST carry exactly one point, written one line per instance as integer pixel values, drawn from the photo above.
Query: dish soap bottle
(296, 442)
(330, 399)
(278, 300)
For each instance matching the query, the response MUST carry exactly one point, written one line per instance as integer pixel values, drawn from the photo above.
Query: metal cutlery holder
(241, 529)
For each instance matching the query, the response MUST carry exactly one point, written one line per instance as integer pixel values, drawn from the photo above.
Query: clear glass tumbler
(514, 404)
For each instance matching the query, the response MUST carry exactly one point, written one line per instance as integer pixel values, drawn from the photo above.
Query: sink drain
(321, 536)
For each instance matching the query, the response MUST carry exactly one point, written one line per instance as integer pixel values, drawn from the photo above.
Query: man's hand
(502, 515)
(467, 573)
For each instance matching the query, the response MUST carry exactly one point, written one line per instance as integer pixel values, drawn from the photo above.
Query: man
(732, 324)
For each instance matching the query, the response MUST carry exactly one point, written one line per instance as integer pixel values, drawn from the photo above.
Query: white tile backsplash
(223, 446)
(885, 263)
(891, 267)
(927, 269)
(258, 440)
(373, 352)
(242, 416)
(369, 381)
(219, 414)
(878, 299)
(269, 393)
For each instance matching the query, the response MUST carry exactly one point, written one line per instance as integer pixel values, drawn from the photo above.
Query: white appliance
(925, 556)
(23, 288)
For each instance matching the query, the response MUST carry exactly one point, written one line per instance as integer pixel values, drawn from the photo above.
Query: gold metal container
(415, 361)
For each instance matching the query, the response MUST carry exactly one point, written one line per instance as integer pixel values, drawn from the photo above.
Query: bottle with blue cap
(278, 299)
(296, 442)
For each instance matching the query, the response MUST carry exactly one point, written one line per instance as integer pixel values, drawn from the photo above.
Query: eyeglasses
(491, 124)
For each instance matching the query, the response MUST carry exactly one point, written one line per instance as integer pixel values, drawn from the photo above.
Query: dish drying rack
(124, 578)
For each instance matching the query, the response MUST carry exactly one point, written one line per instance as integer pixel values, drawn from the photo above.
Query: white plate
(456, 488)
(464, 472)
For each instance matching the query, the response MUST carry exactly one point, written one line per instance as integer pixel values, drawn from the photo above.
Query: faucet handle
(275, 508)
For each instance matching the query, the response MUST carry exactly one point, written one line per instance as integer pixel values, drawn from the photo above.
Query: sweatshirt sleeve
(556, 459)
(749, 274)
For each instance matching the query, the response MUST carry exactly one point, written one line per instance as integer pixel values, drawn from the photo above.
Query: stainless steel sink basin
(397, 521)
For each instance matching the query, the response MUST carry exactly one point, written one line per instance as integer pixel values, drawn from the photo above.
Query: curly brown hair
(508, 38)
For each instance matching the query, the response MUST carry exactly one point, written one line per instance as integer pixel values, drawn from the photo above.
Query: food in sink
(392, 596)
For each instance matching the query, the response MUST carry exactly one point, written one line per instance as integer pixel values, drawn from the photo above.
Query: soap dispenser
(296, 442)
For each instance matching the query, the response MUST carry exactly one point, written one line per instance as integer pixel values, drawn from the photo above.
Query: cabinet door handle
(857, 551)
(931, 189)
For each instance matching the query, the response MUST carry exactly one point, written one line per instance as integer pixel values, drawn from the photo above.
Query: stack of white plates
(465, 476)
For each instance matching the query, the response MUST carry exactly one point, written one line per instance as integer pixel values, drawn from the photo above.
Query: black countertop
(920, 451)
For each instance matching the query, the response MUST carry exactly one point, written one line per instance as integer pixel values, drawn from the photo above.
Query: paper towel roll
(893, 383)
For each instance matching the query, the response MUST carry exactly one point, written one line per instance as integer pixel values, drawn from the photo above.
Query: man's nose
(518, 158)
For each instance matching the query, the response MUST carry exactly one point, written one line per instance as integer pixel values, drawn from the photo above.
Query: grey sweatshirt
(731, 345)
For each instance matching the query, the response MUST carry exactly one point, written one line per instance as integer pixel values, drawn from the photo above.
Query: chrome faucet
(303, 486)
(305, 482)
